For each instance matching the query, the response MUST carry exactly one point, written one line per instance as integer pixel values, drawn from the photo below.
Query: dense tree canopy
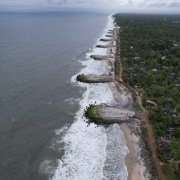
(150, 54)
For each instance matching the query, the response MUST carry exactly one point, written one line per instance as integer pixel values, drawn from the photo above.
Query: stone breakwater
(103, 114)
(91, 78)
(100, 57)
(106, 40)
(111, 115)
(121, 112)
(93, 152)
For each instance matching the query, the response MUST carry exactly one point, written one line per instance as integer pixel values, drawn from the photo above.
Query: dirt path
(150, 134)
(151, 140)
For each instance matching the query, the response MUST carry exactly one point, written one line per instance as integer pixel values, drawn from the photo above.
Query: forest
(150, 55)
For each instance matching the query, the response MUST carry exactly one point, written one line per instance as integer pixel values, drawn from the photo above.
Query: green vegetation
(172, 177)
(136, 106)
(92, 114)
(82, 78)
(150, 54)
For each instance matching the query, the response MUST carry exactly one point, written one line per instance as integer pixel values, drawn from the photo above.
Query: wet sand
(134, 161)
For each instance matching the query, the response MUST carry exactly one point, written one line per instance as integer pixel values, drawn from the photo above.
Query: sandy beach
(134, 161)
(121, 111)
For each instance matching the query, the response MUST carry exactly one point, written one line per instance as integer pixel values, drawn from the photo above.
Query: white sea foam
(85, 145)
(72, 100)
(47, 167)
(98, 51)
(103, 43)
(88, 148)
(114, 167)
(109, 25)
(94, 67)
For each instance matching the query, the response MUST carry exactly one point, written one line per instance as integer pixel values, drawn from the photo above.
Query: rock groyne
(108, 115)
(90, 78)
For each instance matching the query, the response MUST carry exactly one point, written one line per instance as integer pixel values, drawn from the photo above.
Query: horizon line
(87, 11)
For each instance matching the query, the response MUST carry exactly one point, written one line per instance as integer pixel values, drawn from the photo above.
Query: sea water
(93, 152)
(43, 131)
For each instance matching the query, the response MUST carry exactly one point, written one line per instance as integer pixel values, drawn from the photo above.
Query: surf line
(101, 114)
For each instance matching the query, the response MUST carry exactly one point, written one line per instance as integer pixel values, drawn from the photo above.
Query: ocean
(43, 132)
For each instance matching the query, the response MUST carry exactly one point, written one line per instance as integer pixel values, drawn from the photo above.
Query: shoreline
(134, 161)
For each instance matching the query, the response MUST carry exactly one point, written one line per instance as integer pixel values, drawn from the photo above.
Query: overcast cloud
(97, 4)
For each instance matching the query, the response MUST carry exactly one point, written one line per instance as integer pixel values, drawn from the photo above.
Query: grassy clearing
(92, 114)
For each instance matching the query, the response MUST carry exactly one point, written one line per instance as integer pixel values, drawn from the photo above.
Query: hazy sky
(112, 5)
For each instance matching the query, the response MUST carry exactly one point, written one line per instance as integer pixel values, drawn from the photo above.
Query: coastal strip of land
(139, 164)
(138, 160)
(149, 63)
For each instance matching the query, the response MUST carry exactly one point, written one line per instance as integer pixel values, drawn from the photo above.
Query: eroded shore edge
(138, 161)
